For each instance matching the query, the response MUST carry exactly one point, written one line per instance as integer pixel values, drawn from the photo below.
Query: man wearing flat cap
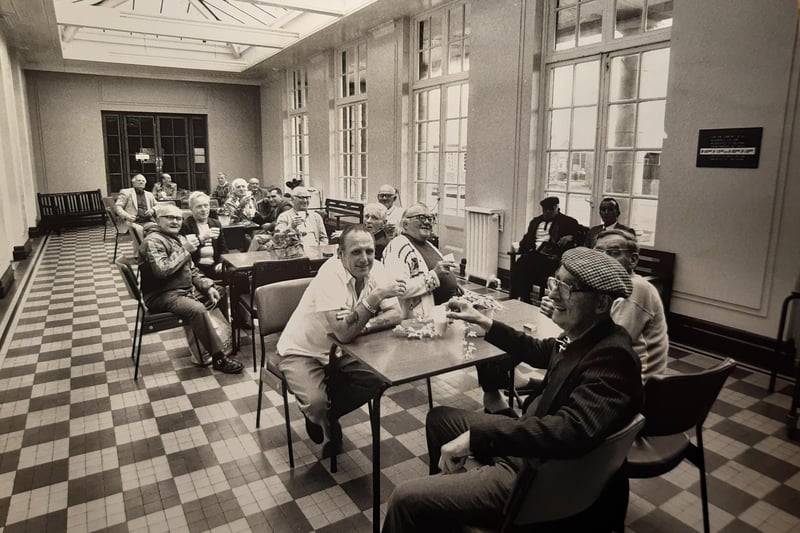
(548, 236)
(592, 389)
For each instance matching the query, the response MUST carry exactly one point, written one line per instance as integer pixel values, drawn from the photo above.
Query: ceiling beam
(334, 8)
(126, 21)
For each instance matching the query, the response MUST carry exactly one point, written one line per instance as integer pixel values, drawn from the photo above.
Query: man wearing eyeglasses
(429, 277)
(308, 224)
(171, 282)
(593, 389)
(387, 196)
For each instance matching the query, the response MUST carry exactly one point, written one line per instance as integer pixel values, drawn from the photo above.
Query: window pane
(422, 105)
(433, 136)
(421, 162)
(453, 100)
(643, 219)
(450, 200)
(436, 46)
(451, 135)
(436, 62)
(581, 172)
(559, 129)
(454, 64)
(565, 28)
(428, 193)
(579, 208)
(624, 71)
(433, 102)
(561, 91)
(647, 173)
(462, 168)
(462, 144)
(424, 34)
(423, 65)
(464, 99)
(620, 125)
(557, 171)
(619, 168)
(591, 23)
(625, 211)
(562, 3)
(655, 70)
(587, 82)
(456, 23)
(629, 18)
(433, 166)
(659, 14)
(584, 127)
(650, 130)
(465, 68)
(422, 137)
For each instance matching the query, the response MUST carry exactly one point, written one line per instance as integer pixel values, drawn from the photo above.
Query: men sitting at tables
(593, 388)
(208, 232)
(254, 186)
(164, 189)
(375, 222)
(387, 195)
(171, 282)
(223, 188)
(350, 295)
(548, 235)
(410, 255)
(270, 207)
(240, 205)
(308, 224)
(609, 212)
(135, 204)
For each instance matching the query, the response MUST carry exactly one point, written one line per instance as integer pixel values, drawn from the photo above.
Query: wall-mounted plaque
(729, 148)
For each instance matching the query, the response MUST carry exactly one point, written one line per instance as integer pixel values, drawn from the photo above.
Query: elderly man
(593, 389)
(375, 222)
(548, 235)
(171, 282)
(270, 207)
(351, 294)
(165, 189)
(254, 186)
(609, 213)
(387, 196)
(223, 188)
(428, 275)
(135, 204)
(240, 204)
(308, 224)
(209, 234)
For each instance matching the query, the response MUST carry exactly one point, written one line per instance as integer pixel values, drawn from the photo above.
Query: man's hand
(462, 310)
(547, 306)
(191, 243)
(395, 287)
(565, 240)
(206, 235)
(444, 267)
(213, 294)
(454, 454)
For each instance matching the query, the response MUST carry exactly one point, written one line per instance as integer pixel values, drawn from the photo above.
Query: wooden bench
(658, 267)
(57, 210)
(336, 210)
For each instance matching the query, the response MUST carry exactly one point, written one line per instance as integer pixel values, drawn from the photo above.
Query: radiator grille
(483, 240)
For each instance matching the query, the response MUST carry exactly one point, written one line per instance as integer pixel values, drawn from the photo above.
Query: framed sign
(729, 148)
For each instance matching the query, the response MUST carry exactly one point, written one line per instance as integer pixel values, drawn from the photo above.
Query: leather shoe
(227, 365)
(314, 431)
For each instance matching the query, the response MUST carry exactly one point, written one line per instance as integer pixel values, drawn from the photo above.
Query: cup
(214, 233)
(439, 315)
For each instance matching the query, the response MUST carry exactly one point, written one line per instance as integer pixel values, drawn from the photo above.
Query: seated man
(171, 282)
(387, 196)
(165, 189)
(547, 237)
(593, 389)
(308, 224)
(135, 204)
(428, 275)
(209, 234)
(350, 295)
(270, 207)
(254, 186)
(223, 188)
(240, 205)
(375, 222)
(609, 212)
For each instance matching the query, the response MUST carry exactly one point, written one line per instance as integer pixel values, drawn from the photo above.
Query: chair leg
(284, 390)
(260, 394)
(135, 332)
(699, 461)
(253, 336)
(430, 393)
(116, 244)
(138, 354)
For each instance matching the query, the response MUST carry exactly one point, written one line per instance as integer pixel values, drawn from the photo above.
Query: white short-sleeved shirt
(333, 288)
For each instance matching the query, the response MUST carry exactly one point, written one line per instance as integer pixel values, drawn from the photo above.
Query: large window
(351, 122)
(298, 126)
(607, 67)
(441, 104)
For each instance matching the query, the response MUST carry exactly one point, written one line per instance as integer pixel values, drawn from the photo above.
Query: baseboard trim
(35, 231)
(22, 252)
(6, 281)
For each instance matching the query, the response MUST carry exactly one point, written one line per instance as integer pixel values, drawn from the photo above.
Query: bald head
(387, 195)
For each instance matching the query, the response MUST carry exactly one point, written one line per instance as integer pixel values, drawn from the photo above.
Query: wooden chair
(264, 273)
(146, 321)
(674, 404)
(109, 202)
(275, 304)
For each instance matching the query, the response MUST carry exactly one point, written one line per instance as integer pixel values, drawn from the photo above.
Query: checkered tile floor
(84, 447)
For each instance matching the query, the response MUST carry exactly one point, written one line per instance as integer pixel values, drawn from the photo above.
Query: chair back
(266, 272)
(561, 488)
(110, 204)
(125, 265)
(276, 302)
(675, 403)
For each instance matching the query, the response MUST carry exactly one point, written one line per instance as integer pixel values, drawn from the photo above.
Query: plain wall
(65, 111)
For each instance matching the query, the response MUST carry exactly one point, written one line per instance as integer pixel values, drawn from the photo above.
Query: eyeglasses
(172, 218)
(425, 219)
(564, 290)
(614, 252)
(385, 195)
(303, 197)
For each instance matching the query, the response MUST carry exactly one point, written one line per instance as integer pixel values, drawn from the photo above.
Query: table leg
(375, 421)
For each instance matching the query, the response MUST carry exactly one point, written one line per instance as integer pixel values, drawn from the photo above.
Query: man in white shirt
(387, 195)
(308, 224)
(350, 295)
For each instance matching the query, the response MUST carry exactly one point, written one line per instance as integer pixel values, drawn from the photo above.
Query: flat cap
(549, 202)
(598, 271)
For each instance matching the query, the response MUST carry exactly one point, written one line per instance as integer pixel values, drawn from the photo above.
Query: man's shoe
(227, 365)
(206, 361)
(314, 431)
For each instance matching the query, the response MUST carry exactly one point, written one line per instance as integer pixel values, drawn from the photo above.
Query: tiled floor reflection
(83, 447)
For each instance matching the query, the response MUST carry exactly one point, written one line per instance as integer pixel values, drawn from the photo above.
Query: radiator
(483, 241)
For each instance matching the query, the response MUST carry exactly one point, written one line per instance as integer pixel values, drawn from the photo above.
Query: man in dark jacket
(548, 236)
(270, 207)
(209, 234)
(609, 213)
(592, 389)
(171, 282)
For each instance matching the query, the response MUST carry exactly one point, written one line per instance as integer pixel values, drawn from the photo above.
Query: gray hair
(196, 196)
(235, 182)
(378, 209)
(630, 239)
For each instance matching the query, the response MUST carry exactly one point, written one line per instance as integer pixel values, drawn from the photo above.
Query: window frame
(353, 185)
(297, 140)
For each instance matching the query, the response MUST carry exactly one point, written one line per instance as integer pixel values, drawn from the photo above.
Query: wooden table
(243, 261)
(399, 360)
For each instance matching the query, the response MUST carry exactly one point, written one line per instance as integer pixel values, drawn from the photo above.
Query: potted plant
(286, 243)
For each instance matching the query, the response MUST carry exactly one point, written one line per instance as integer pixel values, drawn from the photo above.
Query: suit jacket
(127, 205)
(190, 226)
(592, 389)
(561, 226)
(591, 238)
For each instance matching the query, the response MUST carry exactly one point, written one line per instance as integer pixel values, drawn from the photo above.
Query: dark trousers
(529, 270)
(184, 303)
